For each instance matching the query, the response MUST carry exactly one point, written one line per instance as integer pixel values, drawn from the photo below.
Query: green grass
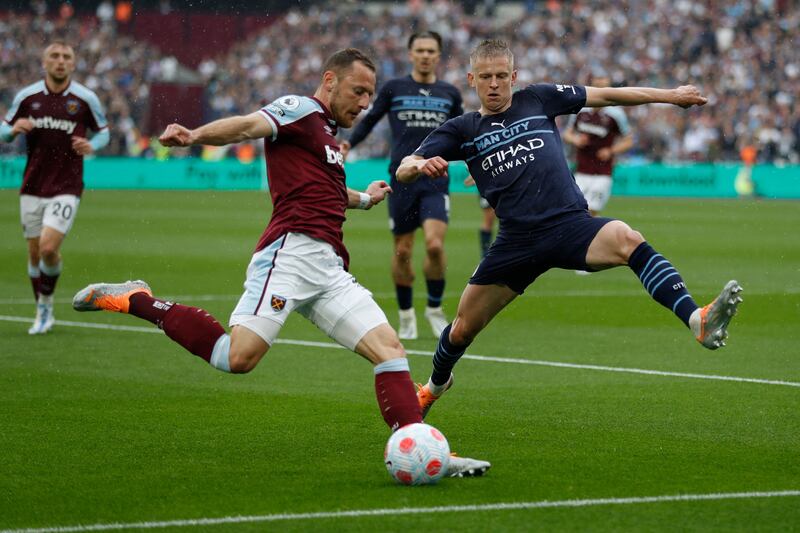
(100, 426)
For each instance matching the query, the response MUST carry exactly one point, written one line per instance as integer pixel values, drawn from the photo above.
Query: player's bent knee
(242, 362)
(462, 333)
(629, 241)
(403, 254)
(434, 248)
(618, 243)
(248, 346)
(49, 253)
(380, 344)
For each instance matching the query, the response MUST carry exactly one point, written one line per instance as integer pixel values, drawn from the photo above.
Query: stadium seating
(740, 53)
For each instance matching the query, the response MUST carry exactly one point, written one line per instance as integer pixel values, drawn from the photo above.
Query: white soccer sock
(436, 390)
(694, 322)
(399, 364)
(407, 313)
(220, 355)
(54, 270)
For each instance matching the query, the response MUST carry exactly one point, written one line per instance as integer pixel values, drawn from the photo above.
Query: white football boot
(436, 319)
(710, 323)
(408, 324)
(466, 467)
(44, 316)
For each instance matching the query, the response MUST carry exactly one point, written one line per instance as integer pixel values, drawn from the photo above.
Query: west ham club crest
(73, 106)
(277, 303)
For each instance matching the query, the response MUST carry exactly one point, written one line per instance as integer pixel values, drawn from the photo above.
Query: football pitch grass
(596, 407)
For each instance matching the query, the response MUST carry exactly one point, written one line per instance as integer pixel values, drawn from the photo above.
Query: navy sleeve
(379, 108)
(445, 141)
(559, 99)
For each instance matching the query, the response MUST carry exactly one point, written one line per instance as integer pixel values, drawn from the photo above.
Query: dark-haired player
(300, 262)
(514, 153)
(55, 115)
(416, 104)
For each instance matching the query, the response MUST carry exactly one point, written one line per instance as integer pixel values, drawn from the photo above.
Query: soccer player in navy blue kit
(416, 104)
(515, 155)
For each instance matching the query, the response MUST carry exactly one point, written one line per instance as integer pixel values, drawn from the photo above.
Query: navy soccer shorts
(410, 206)
(517, 258)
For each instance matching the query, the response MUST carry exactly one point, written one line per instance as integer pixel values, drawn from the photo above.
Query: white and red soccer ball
(417, 454)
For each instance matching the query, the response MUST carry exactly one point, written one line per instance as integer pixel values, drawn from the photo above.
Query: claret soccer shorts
(303, 274)
(57, 212)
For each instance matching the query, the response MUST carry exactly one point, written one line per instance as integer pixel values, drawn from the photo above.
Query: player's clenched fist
(377, 191)
(81, 145)
(689, 95)
(176, 135)
(23, 126)
(435, 167)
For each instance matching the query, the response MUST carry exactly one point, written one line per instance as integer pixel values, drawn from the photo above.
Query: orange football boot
(109, 296)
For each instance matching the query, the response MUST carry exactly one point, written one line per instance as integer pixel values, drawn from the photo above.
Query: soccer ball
(417, 454)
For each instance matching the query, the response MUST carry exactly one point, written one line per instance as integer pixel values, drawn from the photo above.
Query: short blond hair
(63, 44)
(491, 48)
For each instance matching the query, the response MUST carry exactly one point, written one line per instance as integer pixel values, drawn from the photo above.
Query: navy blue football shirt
(516, 157)
(415, 109)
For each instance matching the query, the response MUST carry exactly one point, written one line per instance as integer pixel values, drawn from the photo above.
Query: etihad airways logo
(511, 156)
(417, 118)
(50, 123)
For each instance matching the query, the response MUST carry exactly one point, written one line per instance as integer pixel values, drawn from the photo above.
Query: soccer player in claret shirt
(598, 134)
(417, 104)
(514, 153)
(300, 262)
(54, 114)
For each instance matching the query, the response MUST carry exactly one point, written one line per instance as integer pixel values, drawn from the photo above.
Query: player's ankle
(695, 322)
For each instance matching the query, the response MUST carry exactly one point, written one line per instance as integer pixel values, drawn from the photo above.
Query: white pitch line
(359, 513)
(419, 296)
(474, 357)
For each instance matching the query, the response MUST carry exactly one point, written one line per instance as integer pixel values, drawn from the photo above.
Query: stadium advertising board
(681, 180)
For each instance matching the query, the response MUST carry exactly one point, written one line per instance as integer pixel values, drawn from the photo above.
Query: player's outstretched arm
(376, 192)
(683, 96)
(218, 133)
(413, 166)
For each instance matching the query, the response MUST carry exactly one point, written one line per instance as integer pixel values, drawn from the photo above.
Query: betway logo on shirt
(50, 123)
(334, 157)
(594, 129)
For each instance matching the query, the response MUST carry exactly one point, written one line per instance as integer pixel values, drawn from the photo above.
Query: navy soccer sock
(404, 296)
(662, 281)
(445, 358)
(435, 292)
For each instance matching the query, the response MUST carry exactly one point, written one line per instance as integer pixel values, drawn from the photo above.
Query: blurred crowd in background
(742, 54)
